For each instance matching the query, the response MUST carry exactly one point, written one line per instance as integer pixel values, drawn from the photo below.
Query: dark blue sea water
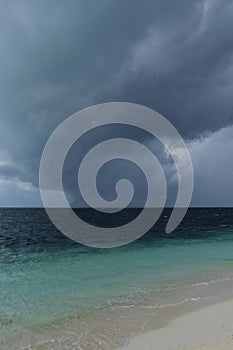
(54, 292)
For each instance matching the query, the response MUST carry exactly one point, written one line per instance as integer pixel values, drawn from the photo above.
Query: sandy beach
(210, 328)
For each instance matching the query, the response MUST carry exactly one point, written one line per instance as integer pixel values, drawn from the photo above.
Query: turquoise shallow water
(46, 279)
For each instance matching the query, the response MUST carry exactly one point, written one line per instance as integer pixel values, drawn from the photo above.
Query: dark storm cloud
(186, 71)
(58, 57)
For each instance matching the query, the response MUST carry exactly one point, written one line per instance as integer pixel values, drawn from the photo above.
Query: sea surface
(57, 294)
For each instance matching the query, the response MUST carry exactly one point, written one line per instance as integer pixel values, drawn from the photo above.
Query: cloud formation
(176, 58)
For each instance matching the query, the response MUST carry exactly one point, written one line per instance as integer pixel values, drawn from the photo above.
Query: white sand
(210, 328)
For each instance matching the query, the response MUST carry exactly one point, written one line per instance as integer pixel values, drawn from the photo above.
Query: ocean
(57, 294)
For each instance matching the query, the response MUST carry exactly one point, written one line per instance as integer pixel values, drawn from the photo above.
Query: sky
(176, 57)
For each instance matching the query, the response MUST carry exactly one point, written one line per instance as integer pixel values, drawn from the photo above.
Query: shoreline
(207, 327)
(145, 326)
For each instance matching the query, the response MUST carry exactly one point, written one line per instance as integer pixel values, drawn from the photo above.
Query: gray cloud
(57, 58)
(213, 166)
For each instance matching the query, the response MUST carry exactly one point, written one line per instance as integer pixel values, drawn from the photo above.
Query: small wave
(203, 283)
(186, 300)
(207, 283)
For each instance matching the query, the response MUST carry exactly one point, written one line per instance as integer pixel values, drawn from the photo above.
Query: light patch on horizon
(213, 166)
(21, 185)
